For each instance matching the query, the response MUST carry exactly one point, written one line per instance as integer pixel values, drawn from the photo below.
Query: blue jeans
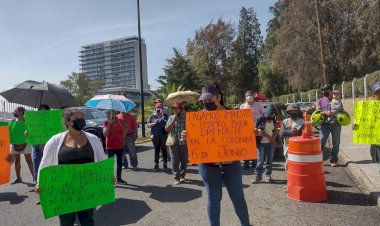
(36, 158)
(324, 133)
(130, 148)
(266, 153)
(231, 177)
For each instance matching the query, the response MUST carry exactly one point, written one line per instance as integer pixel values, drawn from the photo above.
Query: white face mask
(249, 99)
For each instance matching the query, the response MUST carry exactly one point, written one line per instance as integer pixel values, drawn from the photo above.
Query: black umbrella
(32, 93)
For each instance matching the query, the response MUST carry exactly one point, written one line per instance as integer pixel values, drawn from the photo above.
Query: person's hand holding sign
(184, 135)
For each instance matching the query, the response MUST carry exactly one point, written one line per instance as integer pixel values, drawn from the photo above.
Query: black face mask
(15, 114)
(293, 116)
(79, 124)
(210, 106)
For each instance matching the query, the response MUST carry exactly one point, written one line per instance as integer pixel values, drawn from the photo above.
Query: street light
(141, 73)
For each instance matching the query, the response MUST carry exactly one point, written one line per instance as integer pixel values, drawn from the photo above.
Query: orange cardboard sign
(220, 136)
(5, 166)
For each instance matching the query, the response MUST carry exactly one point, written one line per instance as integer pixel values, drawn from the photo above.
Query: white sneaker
(268, 178)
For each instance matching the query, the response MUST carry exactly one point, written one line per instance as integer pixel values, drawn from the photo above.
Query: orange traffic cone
(306, 176)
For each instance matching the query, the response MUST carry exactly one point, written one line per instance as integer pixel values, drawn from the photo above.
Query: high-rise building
(116, 63)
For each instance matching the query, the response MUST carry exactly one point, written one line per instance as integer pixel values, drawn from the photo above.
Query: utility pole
(141, 73)
(321, 43)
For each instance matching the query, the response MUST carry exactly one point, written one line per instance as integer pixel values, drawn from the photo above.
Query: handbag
(19, 147)
(170, 140)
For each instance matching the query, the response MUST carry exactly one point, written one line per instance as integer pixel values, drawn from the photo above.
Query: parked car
(281, 114)
(94, 121)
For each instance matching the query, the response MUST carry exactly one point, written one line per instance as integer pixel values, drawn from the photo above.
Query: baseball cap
(209, 92)
(158, 105)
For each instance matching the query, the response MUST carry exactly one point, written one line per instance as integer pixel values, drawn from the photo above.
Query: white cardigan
(52, 147)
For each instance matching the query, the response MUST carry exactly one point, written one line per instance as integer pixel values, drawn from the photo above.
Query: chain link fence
(350, 89)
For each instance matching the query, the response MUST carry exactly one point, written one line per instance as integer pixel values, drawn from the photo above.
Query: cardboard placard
(74, 187)
(5, 166)
(367, 118)
(42, 125)
(220, 136)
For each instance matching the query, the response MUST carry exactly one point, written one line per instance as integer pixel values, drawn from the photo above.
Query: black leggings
(119, 156)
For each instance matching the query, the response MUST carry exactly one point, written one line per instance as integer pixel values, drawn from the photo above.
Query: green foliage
(164, 92)
(81, 87)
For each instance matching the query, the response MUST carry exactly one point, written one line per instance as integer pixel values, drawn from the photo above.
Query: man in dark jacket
(266, 124)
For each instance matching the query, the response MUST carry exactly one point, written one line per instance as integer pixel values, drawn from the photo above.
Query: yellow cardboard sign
(220, 136)
(367, 119)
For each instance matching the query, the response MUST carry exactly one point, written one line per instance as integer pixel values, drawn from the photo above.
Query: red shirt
(114, 140)
(130, 120)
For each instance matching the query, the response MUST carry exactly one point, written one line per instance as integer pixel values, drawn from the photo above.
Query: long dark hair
(220, 92)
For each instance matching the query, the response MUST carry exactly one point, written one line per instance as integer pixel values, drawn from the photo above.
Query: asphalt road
(151, 199)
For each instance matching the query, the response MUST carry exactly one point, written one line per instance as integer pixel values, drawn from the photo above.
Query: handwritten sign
(367, 117)
(42, 125)
(16, 131)
(5, 167)
(71, 188)
(220, 136)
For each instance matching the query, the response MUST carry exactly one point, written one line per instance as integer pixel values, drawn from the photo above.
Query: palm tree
(164, 92)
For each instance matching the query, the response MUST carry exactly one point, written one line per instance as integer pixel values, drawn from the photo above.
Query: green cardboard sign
(42, 125)
(367, 119)
(71, 188)
(16, 131)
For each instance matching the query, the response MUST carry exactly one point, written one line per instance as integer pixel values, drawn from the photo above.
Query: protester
(156, 123)
(37, 149)
(329, 126)
(73, 146)
(376, 95)
(267, 124)
(291, 127)
(177, 147)
(257, 110)
(214, 175)
(129, 144)
(21, 149)
(165, 113)
(114, 130)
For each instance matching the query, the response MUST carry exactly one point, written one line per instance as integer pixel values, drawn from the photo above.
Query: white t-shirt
(257, 109)
(269, 127)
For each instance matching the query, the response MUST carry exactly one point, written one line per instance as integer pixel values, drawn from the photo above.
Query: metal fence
(352, 89)
(7, 107)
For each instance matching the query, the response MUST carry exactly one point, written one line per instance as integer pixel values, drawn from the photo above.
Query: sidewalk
(359, 163)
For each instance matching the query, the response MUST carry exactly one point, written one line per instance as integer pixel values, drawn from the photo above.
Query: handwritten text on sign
(42, 125)
(71, 188)
(5, 166)
(220, 136)
(367, 117)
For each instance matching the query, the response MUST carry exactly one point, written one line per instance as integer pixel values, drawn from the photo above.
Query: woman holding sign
(73, 146)
(18, 149)
(214, 175)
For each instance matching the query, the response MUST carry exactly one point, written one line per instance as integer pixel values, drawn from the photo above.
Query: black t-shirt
(68, 155)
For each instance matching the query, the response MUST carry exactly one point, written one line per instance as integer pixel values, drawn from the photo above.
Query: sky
(41, 39)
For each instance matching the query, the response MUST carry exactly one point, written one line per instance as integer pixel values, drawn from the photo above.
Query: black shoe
(121, 181)
(16, 181)
(156, 167)
(165, 166)
(245, 166)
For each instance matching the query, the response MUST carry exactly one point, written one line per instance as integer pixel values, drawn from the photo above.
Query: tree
(164, 92)
(246, 54)
(179, 72)
(272, 81)
(210, 51)
(81, 87)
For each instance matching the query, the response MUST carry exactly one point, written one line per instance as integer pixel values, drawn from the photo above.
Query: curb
(360, 178)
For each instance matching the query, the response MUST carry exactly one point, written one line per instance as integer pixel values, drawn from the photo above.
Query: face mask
(158, 111)
(15, 114)
(249, 99)
(210, 106)
(293, 115)
(79, 124)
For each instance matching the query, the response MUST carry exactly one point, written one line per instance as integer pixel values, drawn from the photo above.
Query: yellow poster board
(367, 119)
